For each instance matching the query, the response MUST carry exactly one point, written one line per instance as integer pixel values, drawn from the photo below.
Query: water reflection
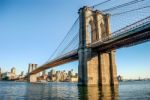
(52, 91)
(70, 91)
(36, 91)
(63, 91)
(98, 93)
(55, 91)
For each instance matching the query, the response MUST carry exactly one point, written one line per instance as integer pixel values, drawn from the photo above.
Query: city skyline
(19, 73)
(30, 35)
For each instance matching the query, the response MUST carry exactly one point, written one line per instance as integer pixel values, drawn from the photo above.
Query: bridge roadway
(133, 34)
(68, 57)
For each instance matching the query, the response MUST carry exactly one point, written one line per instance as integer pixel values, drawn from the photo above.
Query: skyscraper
(22, 73)
(0, 71)
(44, 73)
(0, 74)
(13, 70)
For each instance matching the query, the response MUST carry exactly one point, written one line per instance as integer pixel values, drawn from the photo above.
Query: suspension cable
(100, 3)
(130, 10)
(63, 40)
(122, 5)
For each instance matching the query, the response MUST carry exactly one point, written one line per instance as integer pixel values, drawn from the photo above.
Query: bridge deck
(132, 37)
(126, 37)
(69, 57)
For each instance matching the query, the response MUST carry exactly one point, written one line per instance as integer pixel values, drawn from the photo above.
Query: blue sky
(30, 31)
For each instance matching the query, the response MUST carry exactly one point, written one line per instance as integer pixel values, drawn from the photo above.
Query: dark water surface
(135, 90)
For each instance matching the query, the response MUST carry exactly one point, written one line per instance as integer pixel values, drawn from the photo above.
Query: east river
(135, 90)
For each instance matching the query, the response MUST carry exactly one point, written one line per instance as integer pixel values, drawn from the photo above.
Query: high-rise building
(51, 73)
(0, 70)
(0, 74)
(120, 78)
(44, 73)
(63, 75)
(70, 73)
(8, 76)
(22, 73)
(58, 76)
(13, 70)
(76, 74)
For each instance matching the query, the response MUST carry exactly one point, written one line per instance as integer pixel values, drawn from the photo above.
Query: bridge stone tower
(95, 68)
(32, 78)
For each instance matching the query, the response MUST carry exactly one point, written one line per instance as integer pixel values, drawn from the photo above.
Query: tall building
(52, 75)
(58, 76)
(44, 73)
(70, 73)
(63, 75)
(120, 78)
(8, 76)
(13, 70)
(22, 73)
(76, 74)
(0, 70)
(0, 74)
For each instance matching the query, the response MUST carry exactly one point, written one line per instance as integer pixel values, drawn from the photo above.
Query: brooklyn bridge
(95, 36)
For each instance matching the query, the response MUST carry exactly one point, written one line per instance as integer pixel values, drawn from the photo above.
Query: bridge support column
(88, 68)
(32, 78)
(88, 60)
(95, 68)
(108, 71)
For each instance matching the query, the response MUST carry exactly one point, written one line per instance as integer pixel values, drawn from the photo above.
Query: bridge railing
(71, 53)
(66, 54)
(62, 56)
(124, 30)
(131, 26)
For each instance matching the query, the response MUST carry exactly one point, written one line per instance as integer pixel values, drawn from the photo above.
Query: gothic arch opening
(103, 30)
(89, 32)
(90, 29)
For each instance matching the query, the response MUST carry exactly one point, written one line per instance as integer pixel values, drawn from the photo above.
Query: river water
(135, 90)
